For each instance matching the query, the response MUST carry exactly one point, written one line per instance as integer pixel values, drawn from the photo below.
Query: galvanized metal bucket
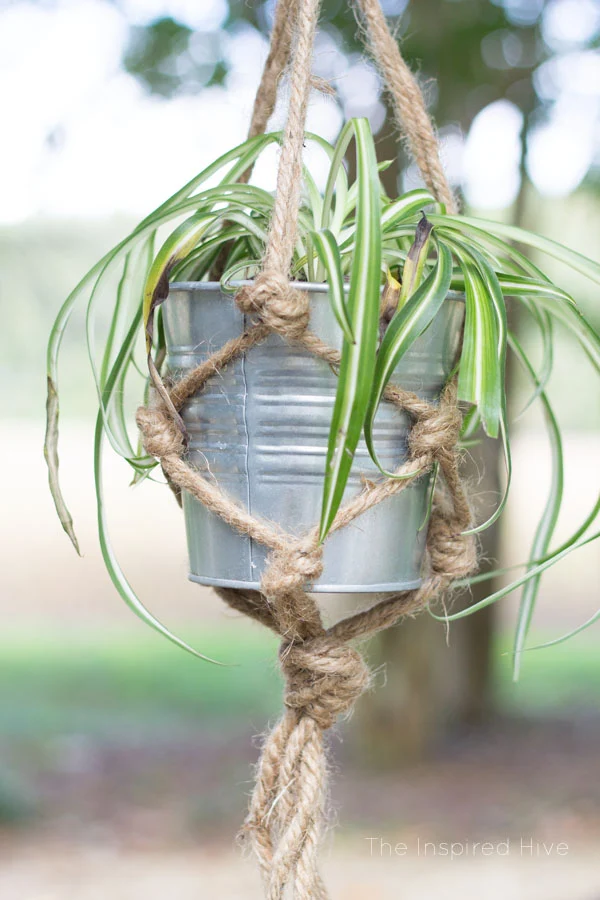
(260, 429)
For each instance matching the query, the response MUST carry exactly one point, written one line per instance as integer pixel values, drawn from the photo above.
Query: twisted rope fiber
(408, 103)
(277, 59)
(323, 674)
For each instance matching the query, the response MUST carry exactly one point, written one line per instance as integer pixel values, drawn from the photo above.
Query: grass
(559, 680)
(111, 687)
(145, 702)
(106, 686)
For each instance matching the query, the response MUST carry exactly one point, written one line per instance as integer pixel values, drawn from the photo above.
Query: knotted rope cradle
(324, 675)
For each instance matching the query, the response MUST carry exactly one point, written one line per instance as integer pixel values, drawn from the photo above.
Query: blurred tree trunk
(426, 686)
(430, 683)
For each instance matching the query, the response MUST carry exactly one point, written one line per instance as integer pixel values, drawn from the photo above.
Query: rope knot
(160, 433)
(281, 307)
(292, 567)
(323, 678)
(452, 553)
(436, 432)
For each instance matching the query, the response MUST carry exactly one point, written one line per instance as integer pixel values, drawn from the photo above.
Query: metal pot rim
(312, 287)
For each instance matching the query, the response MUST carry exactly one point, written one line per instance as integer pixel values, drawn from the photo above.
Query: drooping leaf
(113, 568)
(547, 523)
(52, 461)
(156, 291)
(538, 569)
(571, 258)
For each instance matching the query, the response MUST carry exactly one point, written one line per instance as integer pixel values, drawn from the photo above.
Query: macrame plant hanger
(324, 675)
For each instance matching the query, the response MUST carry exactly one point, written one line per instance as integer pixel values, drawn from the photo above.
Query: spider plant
(356, 239)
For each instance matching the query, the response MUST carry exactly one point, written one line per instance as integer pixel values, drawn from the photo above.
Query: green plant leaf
(521, 286)
(337, 181)
(195, 262)
(113, 568)
(358, 359)
(575, 324)
(480, 374)
(416, 258)
(510, 259)
(508, 589)
(572, 539)
(571, 258)
(52, 462)
(130, 286)
(156, 290)
(583, 627)
(487, 283)
(543, 321)
(549, 518)
(407, 325)
(329, 256)
(406, 207)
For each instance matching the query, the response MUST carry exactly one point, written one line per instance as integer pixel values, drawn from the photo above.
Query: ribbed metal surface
(260, 429)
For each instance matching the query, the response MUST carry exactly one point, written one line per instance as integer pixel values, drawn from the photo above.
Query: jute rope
(277, 60)
(324, 675)
(408, 103)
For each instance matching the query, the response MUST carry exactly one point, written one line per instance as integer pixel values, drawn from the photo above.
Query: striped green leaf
(487, 282)
(571, 258)
(329, 256)
(411, 204)
(407, 325)
(358, 359)
(479, 373)
(156, 289)
(353, 233)
(547, 524)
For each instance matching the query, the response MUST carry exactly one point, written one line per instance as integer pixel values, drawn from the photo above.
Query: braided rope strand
(408, 103)
(282, 230)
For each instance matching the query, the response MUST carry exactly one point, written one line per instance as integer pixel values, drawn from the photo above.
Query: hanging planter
(306, 357)
(261, 432)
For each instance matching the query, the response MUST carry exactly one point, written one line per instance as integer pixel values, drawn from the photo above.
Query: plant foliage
(356, 239)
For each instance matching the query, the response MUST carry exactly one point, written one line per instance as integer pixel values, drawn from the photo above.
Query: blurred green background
(125, 765)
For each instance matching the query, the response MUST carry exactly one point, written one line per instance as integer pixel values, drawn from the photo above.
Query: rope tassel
(287, 811)
(285, 821)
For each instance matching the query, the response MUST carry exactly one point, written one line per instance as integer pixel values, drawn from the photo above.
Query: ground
(106, 795)
(61, 872)
(125, 764)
